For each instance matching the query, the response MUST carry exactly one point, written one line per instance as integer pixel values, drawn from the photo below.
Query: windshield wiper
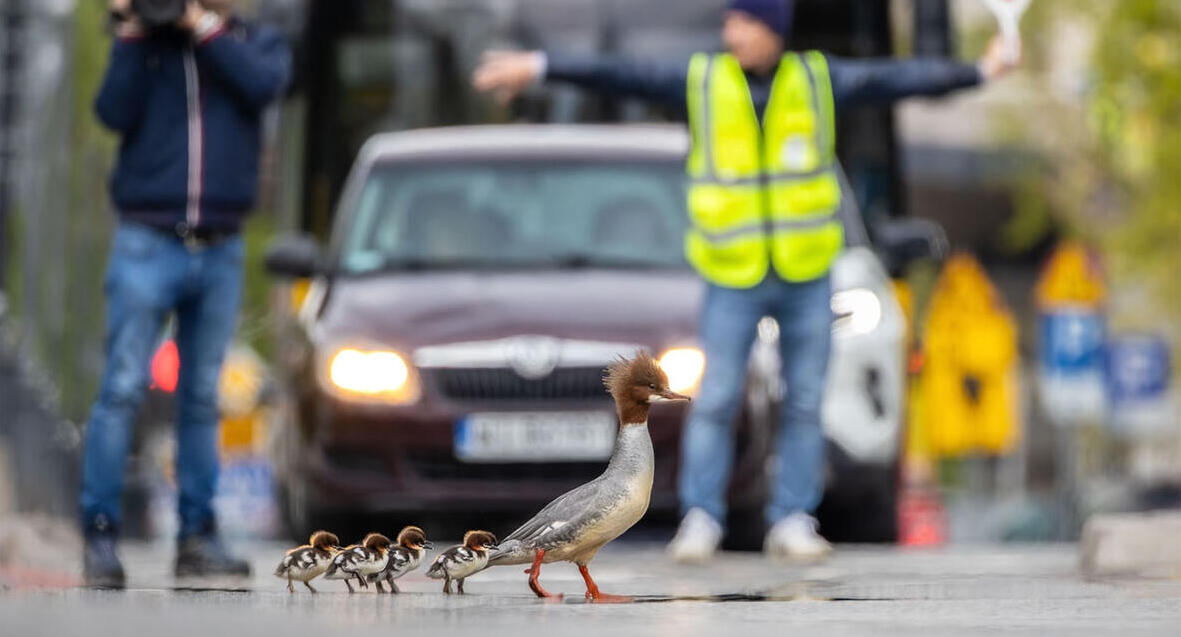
(581, 261)
(419, 264)
(407, 263)
(570, 261)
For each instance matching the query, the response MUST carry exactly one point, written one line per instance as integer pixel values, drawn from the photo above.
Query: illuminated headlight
(857, 311)
(684, 367)
(370, 375)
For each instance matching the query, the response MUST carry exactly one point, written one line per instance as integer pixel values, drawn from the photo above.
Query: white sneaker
(697, 539)
(796, 537)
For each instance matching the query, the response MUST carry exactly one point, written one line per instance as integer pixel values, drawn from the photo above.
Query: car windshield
(543, 213)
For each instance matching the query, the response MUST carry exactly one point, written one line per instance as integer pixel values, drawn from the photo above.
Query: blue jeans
(151, 275)
(728, 329)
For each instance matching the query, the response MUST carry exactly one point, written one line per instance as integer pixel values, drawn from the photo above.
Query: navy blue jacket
(190, 118)
(854, 81)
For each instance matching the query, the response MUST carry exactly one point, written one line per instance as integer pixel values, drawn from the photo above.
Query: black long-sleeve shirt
(854, 81)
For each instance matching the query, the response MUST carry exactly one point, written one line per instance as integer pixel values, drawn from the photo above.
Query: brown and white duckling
(306, 563)
(457, 562)
(360, 561)
(343, 565)
(407, 553)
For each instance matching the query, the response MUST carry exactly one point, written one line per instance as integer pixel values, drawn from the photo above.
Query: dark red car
(448, 358)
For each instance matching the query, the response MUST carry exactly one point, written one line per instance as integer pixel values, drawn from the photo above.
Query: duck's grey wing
(565, 509)
(558, 523)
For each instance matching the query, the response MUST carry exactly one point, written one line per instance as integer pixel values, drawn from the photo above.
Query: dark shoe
(205, 556)
(100, 563)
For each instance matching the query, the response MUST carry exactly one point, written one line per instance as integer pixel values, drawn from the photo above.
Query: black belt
(197, 237)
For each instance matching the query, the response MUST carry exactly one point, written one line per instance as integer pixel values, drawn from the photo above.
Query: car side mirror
(904, 241)
(295, 256)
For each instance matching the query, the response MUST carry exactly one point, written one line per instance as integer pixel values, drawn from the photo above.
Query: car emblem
(533, 357)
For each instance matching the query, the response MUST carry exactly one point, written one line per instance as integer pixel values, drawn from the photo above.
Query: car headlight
(370, 375)
(683, 366)
(857, 311)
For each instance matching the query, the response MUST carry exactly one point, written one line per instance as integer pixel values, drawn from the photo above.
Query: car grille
(564, 383)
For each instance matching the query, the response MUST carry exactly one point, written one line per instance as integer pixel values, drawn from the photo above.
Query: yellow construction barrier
(970, 372)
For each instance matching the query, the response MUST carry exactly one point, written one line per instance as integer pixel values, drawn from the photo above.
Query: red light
(166, 367)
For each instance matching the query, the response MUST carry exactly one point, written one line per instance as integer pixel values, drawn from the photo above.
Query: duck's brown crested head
(412, 537)
(479, 540)
(635, 383)
(376, 541)
(324, 540)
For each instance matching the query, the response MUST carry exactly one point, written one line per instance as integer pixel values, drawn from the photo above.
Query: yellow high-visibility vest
(762, 196)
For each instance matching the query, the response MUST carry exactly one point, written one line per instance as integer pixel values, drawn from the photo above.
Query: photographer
(187, 98)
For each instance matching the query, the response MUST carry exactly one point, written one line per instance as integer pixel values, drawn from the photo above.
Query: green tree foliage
(1135, 114)
(1112, 139)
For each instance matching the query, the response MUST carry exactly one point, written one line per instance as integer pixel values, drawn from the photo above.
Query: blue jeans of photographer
(150, 276)
(729, 325)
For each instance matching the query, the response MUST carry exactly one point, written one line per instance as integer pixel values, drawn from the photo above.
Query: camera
(158, 13)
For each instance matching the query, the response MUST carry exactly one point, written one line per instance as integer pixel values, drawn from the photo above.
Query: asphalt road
(861, 590)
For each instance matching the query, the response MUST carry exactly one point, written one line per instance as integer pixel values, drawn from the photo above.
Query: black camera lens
(158, 13)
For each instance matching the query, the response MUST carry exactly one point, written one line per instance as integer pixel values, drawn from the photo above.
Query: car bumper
(403, 459)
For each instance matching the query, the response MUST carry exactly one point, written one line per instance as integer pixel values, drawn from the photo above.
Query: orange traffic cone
(922, 520)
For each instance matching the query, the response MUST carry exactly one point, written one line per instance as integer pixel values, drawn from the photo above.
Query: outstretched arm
(881, 81)
(507, 73)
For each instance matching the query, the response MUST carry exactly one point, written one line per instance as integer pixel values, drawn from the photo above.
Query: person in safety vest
(763, 196)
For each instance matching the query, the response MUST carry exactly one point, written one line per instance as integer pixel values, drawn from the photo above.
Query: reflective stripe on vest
(761, 196)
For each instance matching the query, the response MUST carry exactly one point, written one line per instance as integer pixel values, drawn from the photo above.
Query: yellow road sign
(970, 374)
(1071, 278)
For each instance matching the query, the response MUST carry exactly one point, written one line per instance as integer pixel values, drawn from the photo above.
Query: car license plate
(535, 436)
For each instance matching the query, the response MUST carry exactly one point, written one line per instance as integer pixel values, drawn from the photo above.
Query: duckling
(306, 563)
(458, 562)
(405, 556)
(344, 564)
(359, 562)
(577, 524)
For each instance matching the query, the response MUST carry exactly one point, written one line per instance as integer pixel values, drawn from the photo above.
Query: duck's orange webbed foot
(595, 596)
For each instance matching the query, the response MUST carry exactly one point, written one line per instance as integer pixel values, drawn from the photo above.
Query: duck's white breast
(622, 514)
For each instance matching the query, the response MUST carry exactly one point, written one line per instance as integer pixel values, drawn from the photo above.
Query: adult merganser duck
(575, 526)
(360, 561)
(306, 563)
(405, 556)
(457, 562)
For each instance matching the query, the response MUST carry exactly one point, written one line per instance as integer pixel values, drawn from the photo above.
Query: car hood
(409, 310)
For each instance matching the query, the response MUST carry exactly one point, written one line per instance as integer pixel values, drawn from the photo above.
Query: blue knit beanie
(776, 14)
